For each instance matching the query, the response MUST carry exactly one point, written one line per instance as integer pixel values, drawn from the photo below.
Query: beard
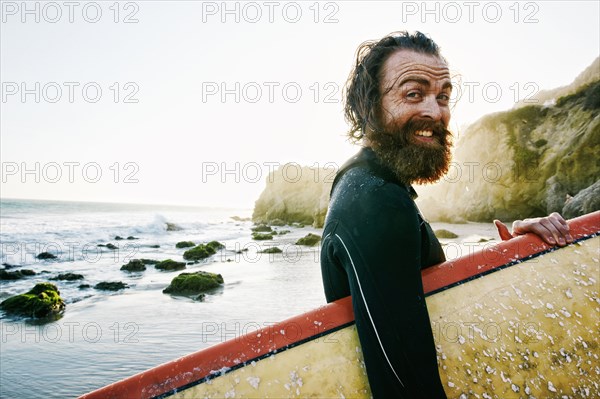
(411, 160)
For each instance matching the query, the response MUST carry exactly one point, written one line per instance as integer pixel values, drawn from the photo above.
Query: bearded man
(375, 241)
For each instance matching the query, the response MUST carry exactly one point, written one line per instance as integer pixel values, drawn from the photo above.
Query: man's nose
(431, 108)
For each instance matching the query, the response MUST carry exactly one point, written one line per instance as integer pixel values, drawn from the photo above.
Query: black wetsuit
(375, 244)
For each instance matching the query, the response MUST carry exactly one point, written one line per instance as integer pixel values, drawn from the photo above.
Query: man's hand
(552, 229)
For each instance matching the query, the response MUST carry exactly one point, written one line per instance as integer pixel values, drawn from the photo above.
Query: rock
(295, 194)
(101, 245)
(111, 246)
(282, 232)
(149, 261)
(202, 251)
(261, 236)
(119, 238)
(111, 286)
(184, 244)
(173, 227)
(170, 265)
(586, 201)
(310, 240)
(46, 255)
(197, 253)
(8, 265)
(443, 233)
(193, 284)
(154, 246)
(272, 250)
(215, 245)
(277, 222)
(240, 219)
(261, 228)
(43, 300)
(132, 238)
(297, 225)
(16, 275)
(134, 265)
(83, 286)
(68, 277)
(200, 297)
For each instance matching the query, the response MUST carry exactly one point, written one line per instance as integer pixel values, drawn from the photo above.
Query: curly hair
(361, 92)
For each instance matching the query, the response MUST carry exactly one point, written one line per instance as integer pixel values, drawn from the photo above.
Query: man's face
(413, 139)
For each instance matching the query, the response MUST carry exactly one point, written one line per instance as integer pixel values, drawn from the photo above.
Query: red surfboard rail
(496, 255)
(244, 349)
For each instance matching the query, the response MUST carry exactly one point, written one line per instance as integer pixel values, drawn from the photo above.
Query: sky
(194, 103)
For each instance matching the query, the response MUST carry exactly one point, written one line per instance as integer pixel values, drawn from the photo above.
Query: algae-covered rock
(261, 228)
(149, 261)
(111, 286)
(202, 251)
(272, 250)
(68, 277)
(443, 233)
(134, 265)
(170, 265)
(43, 300)
(111, 246)
(184, 244)
(188, 284)
(119, 238)
(310, 240)
(215, 245)
(261, 236)
(46, 255)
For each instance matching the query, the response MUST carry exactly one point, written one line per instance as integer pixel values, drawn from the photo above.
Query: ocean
(105, 336)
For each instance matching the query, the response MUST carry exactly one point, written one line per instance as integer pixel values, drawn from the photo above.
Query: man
(375, 241)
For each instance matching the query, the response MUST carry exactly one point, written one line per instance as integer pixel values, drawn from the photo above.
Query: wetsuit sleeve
(375, 246)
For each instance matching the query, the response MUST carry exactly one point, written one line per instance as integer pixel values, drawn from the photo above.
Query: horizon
(194, 103)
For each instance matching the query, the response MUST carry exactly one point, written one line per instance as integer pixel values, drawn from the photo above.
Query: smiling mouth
(424, 133)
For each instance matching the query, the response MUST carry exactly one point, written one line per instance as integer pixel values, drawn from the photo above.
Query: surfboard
(516, 319)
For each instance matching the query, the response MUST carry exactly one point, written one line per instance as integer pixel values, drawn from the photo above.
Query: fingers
(503, 230)
(559, 229)
(553, 229)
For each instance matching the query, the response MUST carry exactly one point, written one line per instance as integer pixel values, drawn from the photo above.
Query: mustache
(402, 136)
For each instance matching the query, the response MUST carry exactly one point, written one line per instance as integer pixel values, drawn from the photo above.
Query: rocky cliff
(525, 162)
(295, 194)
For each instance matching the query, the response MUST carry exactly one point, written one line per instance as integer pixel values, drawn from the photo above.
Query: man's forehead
(407, 62)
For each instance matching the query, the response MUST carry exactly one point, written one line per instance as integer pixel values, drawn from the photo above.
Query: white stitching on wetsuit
(368, 312)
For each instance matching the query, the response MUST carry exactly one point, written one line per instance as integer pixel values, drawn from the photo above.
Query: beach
(104, 336)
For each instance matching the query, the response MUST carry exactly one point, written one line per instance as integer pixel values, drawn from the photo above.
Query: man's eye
(444, 98)
(413, 94)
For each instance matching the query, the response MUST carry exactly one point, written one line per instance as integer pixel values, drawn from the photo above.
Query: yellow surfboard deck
(518, 320)
(531, 329)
